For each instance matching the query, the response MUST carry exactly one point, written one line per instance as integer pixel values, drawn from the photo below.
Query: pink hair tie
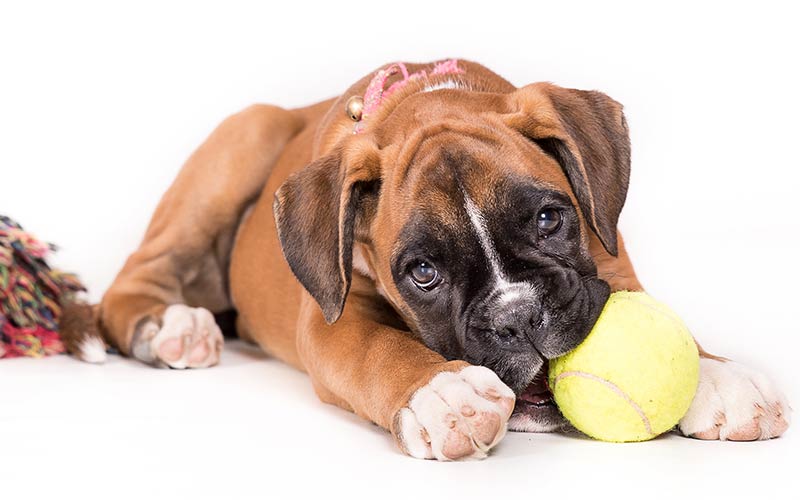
(377, 92)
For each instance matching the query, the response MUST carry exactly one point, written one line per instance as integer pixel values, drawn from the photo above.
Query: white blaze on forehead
(479, 224)
(508, 291)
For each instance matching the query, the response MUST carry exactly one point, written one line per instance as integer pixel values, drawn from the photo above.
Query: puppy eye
(425, 276)
(549, 221)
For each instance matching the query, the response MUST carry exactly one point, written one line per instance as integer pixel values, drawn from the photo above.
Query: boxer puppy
(420, 246)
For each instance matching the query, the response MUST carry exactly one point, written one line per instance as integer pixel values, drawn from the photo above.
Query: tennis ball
(633, 377)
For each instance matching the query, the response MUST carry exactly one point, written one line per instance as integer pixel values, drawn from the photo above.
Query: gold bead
(355, 108)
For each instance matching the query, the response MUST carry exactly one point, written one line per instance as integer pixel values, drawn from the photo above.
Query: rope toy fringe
(30, 294)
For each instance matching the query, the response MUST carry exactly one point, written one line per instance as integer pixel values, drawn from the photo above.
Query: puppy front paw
(735, 403)
(457, 415)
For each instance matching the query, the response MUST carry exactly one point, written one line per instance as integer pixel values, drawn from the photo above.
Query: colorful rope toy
(31, 294)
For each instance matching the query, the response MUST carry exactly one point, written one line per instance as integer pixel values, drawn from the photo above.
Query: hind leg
(158, 309)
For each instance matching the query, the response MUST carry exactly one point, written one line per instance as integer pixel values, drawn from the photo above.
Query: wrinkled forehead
(490, 170)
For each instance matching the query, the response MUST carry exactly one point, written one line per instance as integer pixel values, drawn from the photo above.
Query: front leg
(434, 408)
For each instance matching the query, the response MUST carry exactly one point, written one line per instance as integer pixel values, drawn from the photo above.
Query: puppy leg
(440, 409)
(158, 307)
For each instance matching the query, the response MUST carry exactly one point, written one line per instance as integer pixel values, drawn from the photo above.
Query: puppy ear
(585, 131)
(315, 213)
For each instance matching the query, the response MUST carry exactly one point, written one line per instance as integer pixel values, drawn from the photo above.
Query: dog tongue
(538, 391)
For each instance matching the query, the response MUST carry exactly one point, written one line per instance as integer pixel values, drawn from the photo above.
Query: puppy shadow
(534, 444)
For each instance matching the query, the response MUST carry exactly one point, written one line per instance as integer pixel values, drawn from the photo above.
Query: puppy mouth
(536, 410)
(537, 394)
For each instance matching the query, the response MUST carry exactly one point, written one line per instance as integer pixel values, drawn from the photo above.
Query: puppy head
(473, 212)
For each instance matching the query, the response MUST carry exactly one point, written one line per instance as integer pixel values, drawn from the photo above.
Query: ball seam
(614, 388)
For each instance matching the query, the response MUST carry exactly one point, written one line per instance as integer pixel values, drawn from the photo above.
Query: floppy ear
(315, 213)
(585, 131)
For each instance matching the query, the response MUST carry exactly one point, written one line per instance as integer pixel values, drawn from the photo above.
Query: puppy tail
(80, 333)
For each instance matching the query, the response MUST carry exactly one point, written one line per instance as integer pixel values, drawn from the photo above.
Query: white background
(100, 103)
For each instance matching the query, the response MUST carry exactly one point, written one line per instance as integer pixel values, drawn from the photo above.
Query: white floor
(252, 428)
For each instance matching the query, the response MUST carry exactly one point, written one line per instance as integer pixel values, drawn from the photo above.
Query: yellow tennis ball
(633, 377)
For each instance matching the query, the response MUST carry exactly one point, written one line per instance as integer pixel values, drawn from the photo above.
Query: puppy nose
(517, 321)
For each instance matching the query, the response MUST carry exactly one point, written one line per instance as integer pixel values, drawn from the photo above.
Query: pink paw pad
(188, 337)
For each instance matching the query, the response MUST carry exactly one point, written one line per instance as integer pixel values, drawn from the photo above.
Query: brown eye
(548, 220)
(425, 276)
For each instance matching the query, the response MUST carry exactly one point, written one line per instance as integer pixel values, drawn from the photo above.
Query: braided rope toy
(31, 294)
